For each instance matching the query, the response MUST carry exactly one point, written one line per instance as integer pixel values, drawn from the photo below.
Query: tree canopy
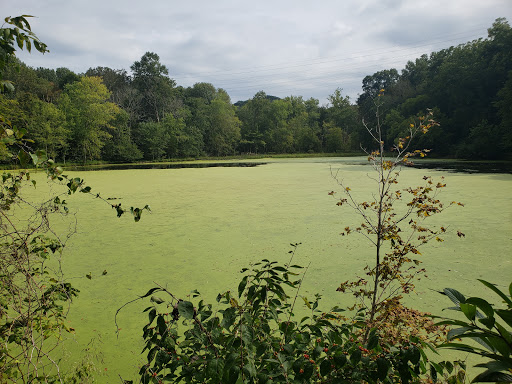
(143, 113)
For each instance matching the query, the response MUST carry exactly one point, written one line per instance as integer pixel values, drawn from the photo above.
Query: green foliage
(88, 116)
(19, 36)
(254, 336)
(463, 84)
(487, 324)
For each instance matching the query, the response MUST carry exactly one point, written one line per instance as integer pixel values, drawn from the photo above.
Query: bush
(255, 336)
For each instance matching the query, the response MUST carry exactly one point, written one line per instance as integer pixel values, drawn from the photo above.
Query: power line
(353, 56)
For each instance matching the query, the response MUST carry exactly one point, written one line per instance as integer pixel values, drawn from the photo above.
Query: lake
(208, 223)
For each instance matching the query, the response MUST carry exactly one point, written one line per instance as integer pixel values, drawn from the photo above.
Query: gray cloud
(282, 47)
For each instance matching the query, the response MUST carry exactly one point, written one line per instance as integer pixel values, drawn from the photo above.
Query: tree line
(120, 116)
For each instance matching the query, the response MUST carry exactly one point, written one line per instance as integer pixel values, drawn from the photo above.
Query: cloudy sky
(283, 47)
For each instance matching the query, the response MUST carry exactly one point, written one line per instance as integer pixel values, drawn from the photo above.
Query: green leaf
(506, 315)
(325, 367)
(454, 295)
(154, 299)
(413, 354)
(500, 345)
(482, 305)
(504, 333)
(340, 359)
(488, 322)
(35, 159)
(355, 357)
(152, 354)
(433, 373)
(150, 292)
(382, 368)
(229, 317)
(469, 310)
(373, 339)
(493, 377)
(24, 158)
(496, 365)
(186, 309)
(497, 291)
(162, 327)
(152, 315)
(215, 367)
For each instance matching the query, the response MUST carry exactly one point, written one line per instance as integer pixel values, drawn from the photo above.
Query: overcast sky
(283, 47)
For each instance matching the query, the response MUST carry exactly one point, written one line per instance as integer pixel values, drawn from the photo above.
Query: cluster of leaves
(254, 337)
(21, 35)
(489, 326)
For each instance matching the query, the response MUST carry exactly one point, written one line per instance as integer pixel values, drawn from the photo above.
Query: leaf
(492, 377)
(496, 365)
(150, 292)
(433, 373)
(497, 291)
(162, 327)
(152, 315)
(469, 310)
(488, 322)
(35, 159)
(355, 357)
(325, 367)
(373, 339)
(500, 345)
(482, 304)
(156, 299)
(382, 368)
(306, 301)
(24, 158)
(229, 317)
(413, 354)
(504, 333)
(186, 309)
(506, 315)
(454, 295)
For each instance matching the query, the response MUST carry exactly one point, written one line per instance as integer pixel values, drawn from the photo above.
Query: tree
(396, 233)
(336, 139)
(254, 116)
(223, 132)
(65, 76)
(342, 115)
(155, 88)
(88, 116)
(46, 126)
(119, 147)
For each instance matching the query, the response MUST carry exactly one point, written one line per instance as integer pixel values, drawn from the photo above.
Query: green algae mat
(209, 222)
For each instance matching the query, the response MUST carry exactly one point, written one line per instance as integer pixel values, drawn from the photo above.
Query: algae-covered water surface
(208, 223)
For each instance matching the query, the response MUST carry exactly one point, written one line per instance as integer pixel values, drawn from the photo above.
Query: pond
(207, 223)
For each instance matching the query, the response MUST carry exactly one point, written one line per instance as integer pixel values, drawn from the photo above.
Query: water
(208, 223)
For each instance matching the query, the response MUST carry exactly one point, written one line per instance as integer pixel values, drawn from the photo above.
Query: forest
(115, 115)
